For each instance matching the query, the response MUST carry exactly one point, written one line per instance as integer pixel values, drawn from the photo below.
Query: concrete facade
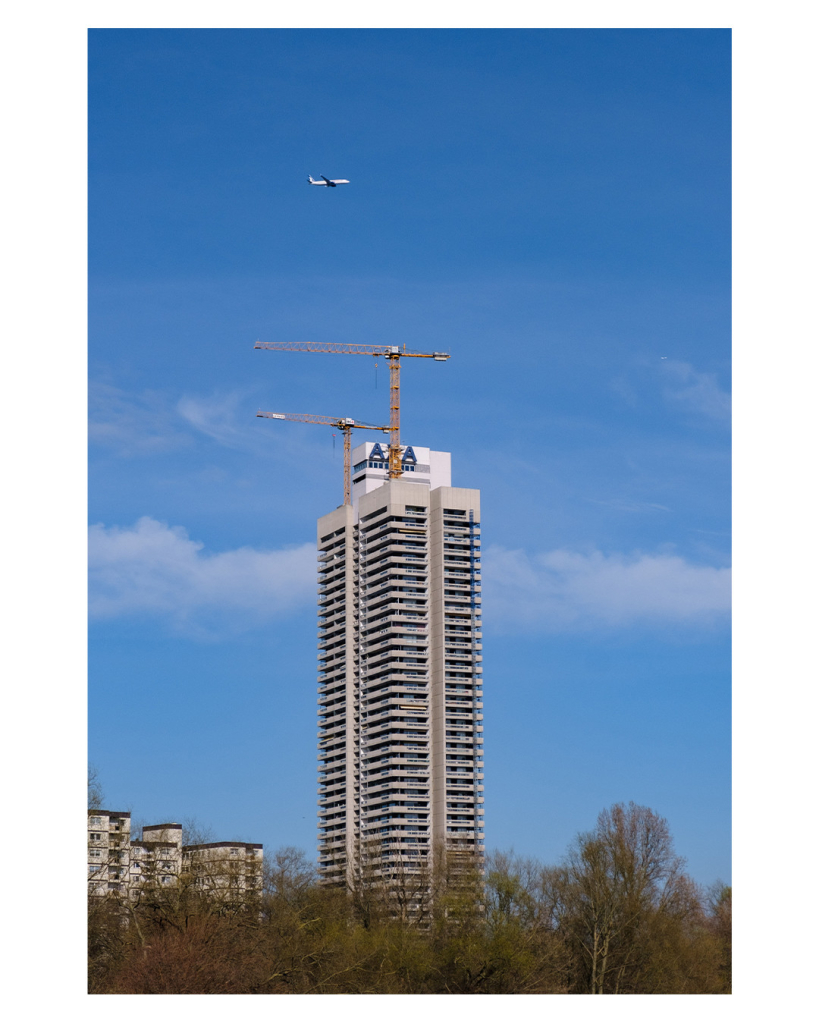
(123, 867)
(400, 696)
(109, 837)
(227, 871)
(156, 859)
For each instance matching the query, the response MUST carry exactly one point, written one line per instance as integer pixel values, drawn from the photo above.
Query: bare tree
(719, 921)
(289, 876)
(96, 797)
(194, 832)
(613, 879)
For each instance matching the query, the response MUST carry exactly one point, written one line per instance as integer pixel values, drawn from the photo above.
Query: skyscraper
(400, 695)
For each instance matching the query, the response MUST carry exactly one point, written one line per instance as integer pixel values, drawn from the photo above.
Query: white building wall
(420, 465)
(109, 834)
(227, 870)
(120, 866)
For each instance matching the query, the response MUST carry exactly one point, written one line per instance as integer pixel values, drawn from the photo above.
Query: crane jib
(393, 354)
(352, 348)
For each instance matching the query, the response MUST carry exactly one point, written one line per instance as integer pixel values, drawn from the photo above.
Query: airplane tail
(310, 179)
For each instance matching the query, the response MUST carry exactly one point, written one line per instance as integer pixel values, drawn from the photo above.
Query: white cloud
(155, 569)
(699, 392)
(558, 590)
(152, 569)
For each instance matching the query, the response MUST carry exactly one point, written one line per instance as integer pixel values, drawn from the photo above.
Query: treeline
(619, 915)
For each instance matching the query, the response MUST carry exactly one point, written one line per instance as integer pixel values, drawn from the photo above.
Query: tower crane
(345, 425)
(392, 353)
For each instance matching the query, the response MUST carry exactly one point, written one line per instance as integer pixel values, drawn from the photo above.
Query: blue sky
(551, 207)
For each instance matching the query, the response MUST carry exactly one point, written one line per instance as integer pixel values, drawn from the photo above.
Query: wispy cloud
(152, 569)
(562, 590)
(133, 424)
(218, 417)
(698, 392)
(627, 505)
(152, 422)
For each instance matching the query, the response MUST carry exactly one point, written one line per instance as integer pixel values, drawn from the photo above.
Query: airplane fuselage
(327, 182)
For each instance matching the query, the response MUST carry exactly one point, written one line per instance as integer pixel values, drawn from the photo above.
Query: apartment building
(156, 859)
(400, 688)
(121, 866)
(109, 838)
(225, 870)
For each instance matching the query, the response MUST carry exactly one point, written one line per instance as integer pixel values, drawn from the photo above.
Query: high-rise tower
(400, 694)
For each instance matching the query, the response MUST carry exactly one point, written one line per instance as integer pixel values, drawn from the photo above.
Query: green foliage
(617, 916)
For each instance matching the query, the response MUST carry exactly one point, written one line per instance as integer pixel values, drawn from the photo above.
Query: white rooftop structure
(370, 463)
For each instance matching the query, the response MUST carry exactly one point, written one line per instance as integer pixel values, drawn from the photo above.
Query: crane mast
(344, 424)
(392, 353)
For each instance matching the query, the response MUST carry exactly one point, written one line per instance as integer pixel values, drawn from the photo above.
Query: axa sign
(377, 452)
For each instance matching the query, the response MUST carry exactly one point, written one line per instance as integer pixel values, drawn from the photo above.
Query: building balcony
(336, 571)
(385, 673)
(331, 720)
(329, 734)
(412, 643)
(332, 667)
(415, 669)
(332, 556)
(332, 618)
(393, 694)
(329, 793)
(336, 642)
(396, 747)
(399, 721)
(393, 763)
(393, 552)
(397, 834)
(329, 665)
(393, 697)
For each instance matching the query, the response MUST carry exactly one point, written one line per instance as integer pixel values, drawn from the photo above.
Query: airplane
(327, 182)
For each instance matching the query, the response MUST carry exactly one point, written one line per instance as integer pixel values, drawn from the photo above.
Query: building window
(95, 837)
(95, 822)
